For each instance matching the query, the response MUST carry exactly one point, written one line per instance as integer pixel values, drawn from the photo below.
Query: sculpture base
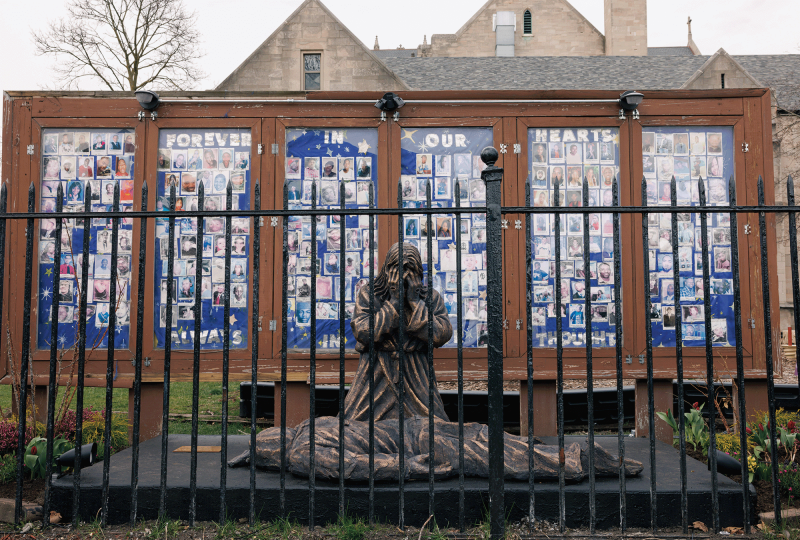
(386, 495)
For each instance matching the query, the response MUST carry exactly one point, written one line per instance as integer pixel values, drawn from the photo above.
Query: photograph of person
(237, 186)
(664, 143)
(238, 296)
(477, 166)
(103, 167)
(539, 153)
(443, 188)
(477, 190)
(114, 144)
(574, 153)
(242, 160)
(195, 160)
(226, 158)
(698, 167)
(179, 160)
(648, 142)
(715, 165)
(122, 168)
(424, 165)
(329, 168)
(129, 146)
(364, 168)
(346, 168)
(239, 244)
(698, 143)
(75, 192)
(312, 168)
(86, 167)
(50, 143)
(292, 168)
(65, 143)
(556, 152)
(681, 143)
(188, 183)
(715, 143)
(444, 230)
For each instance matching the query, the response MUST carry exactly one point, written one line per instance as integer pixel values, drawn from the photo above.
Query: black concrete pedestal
(386, 495)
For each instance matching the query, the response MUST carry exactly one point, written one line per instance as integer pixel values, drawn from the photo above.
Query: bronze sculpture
(387, 402)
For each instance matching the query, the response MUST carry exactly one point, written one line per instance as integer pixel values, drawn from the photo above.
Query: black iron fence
(492, 175)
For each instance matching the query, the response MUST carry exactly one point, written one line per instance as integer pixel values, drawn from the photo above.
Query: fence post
(493, 177)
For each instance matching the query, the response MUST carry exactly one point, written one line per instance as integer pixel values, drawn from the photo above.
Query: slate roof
(781, 72)
(669, 51)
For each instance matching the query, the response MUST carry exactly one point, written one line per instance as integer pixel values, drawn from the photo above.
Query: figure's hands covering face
(413, 284)
(394, 288)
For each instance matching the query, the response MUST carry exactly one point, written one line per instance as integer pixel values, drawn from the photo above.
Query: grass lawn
(180, 399)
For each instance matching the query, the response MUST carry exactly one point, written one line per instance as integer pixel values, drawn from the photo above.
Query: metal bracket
(275, 149)
(517, 148)
(505, 324)
(141, 116)
(622, 114)
(504, 224)
(519, 324)
(274, 221)
(153, 115)
(30, 149)
(259, 323)
(747, 228)
(396, 116)
(260, 149)
(752, 322)
(628, 359)
(146, 362)
(745, 147)
(273, 325)
(636, 114)
(503, 148)
(383, 116)
(641, 359)
(517, 223)
(261, 221)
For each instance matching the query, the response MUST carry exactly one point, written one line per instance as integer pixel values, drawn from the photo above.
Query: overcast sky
(233, 29)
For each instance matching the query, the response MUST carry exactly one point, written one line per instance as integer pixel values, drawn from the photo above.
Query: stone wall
(277, 65)
(626, 27)
(558, 30)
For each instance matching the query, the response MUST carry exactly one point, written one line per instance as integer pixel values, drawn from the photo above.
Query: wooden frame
(509, 112)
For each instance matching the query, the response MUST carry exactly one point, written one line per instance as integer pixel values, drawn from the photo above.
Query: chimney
(505, 26)
(376, 47)
(691, 44)
(626, 27)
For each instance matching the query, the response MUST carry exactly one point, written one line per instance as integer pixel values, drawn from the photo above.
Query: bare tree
(125, 44)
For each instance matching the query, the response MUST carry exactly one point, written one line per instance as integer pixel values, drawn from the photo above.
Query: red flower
(791, 425)
(696, 405)
(761, 426)
(33, 450)
(749, 431)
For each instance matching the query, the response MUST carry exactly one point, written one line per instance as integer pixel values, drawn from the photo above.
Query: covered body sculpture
(415, 402)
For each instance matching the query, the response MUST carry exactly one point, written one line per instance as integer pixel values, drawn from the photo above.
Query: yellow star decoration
(48, 272)
(363, 146)
(233, 319)
(482, 294)
(409, 134)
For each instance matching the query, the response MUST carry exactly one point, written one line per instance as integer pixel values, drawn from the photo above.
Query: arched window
(527, 26)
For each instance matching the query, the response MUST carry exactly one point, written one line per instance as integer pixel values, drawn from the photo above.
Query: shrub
(9, 434)
(94, 429)
(728, 443)
(66, 426)
(8, 468)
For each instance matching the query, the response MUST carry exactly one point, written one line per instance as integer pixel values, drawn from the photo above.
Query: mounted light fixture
(629, 101)
(149, 101)
(88, 457)
(388, 103)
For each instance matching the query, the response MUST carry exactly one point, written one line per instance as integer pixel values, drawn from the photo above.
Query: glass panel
(444, 156)
(311, 62)
(689, 153)
(312, 81)
(560, 157)
(101, 158)
(215, 158)
(325, 157)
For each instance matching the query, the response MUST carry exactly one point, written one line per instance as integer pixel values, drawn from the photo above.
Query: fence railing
(494, 212)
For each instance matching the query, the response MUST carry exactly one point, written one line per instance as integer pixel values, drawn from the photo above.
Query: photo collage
(326, 157)
(562, 160)
(444, 158)
(186, 159)
(99, 159)
(690, 154)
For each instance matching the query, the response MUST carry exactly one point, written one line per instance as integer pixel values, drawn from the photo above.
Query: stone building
(530, 45)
